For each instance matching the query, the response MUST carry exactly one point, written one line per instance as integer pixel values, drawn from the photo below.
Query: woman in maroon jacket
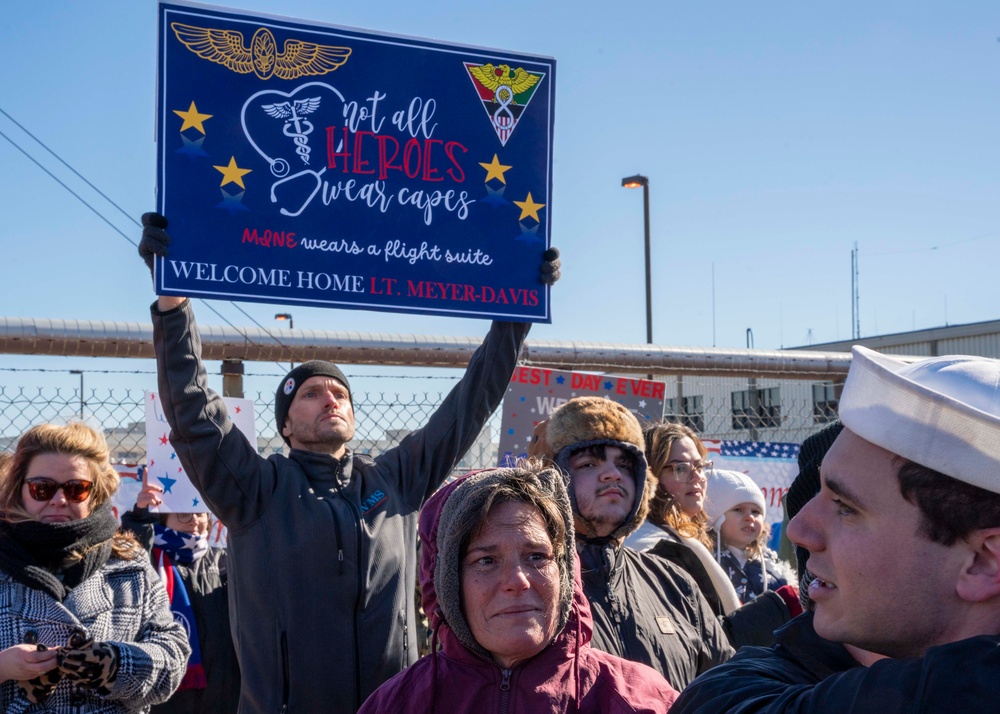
(501, 590)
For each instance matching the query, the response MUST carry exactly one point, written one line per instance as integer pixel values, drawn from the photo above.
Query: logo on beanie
(289, 386)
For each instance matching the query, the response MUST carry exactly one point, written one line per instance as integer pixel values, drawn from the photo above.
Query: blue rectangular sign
(323, 166)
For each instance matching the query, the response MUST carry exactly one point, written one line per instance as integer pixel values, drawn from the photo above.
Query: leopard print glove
(40, 688)
(90, 664)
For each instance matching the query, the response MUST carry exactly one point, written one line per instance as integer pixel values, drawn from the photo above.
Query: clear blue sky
(775, 136)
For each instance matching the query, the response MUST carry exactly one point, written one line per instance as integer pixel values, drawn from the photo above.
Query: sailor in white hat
(904, 540)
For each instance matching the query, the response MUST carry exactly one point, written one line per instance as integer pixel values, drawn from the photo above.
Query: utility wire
(125, 213)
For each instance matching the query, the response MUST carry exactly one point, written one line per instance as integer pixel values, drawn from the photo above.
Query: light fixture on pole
(291, 325)
(82, 402)
(635, 182)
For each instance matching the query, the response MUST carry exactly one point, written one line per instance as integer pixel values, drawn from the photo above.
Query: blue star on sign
(529, 235)
(495, 196)
(608, 385)
(192, 147)
(233, 203)
(194, 503)
(168, 483)
(560, 379)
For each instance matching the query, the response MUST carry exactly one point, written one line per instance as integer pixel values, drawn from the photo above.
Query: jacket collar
(324, 467)
(820, 657)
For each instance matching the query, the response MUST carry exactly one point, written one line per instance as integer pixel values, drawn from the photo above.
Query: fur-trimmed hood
(442, 537)
(596, 421)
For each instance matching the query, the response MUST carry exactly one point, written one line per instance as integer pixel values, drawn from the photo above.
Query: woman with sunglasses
(197, 585)
(84, 620)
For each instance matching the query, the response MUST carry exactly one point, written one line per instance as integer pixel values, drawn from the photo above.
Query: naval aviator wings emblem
(504, 93)
(228, 48)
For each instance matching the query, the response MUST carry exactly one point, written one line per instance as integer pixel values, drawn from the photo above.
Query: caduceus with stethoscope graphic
(296, 127)
(293, 112)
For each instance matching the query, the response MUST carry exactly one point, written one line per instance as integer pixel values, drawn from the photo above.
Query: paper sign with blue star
(164, 467)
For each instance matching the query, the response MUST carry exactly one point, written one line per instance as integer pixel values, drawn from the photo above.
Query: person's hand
(35, 668)
(149, 496)
(25, 662)
(550, 266)
(155, 240)
(90, 664)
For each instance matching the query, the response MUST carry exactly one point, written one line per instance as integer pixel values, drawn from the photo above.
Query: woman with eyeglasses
(84, 620)
(676, 525)
(197, 585)
(676, 529)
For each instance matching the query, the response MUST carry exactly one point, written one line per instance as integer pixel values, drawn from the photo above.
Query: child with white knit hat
(735, 508)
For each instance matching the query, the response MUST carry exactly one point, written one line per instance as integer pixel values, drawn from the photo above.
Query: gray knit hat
(293, 380)
(455, 528)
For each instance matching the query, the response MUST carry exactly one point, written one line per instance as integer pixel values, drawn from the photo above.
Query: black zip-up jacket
(322, 552)
(648, 610)
(805, 674)
(206, 583)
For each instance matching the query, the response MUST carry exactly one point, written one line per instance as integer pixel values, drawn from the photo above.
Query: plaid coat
(123, 603)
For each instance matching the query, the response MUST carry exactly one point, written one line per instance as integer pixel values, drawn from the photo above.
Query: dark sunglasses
(75, 490)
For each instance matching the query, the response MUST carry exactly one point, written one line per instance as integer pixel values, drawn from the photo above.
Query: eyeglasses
(75, 490)
(189, 517)
(684, 471)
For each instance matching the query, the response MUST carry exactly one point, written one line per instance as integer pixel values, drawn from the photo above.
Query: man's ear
(979, 579)
(286, 430)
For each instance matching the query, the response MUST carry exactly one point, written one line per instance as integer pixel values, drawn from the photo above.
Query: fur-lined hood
(596, 421)
(442, 536)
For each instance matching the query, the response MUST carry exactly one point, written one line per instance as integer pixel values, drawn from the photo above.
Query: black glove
(154, 238)
(90, 664)
(550, 266)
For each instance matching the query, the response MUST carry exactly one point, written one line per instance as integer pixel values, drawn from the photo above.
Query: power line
(114, 227)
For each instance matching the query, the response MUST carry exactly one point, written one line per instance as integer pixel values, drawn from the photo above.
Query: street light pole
(291, 325)
(82, 402)
(635, 182)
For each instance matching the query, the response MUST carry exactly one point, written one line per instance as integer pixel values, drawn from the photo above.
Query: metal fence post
(232, 378)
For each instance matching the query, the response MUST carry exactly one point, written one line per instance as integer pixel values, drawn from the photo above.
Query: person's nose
(609, 472)
(58, 498)
(515, 578)
(804, 529)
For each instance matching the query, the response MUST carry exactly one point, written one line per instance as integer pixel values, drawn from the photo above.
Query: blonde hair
(75, 439)
(663, 507)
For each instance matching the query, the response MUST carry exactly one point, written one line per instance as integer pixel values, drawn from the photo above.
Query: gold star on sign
(529, 208)
(495, 170)
(192, 118)
(232, 173)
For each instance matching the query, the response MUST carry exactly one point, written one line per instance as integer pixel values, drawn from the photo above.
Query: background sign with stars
(162, 464)
(772, 465)
(534, 392)
(316, 165)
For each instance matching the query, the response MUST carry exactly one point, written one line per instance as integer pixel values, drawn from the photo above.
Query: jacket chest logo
(376, 500)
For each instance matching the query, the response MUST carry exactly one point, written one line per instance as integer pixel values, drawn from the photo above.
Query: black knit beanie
(806, 484)
(803, 488)
(294, 379)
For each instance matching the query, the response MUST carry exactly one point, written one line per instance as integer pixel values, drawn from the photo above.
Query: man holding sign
(322, 542)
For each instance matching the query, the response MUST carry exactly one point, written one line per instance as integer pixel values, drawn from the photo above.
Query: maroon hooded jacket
(567, 676)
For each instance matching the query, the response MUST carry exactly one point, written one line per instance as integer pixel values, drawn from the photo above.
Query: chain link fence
(774, 410)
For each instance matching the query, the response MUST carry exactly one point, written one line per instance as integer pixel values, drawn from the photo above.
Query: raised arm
(425, 457)
(225, 468)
